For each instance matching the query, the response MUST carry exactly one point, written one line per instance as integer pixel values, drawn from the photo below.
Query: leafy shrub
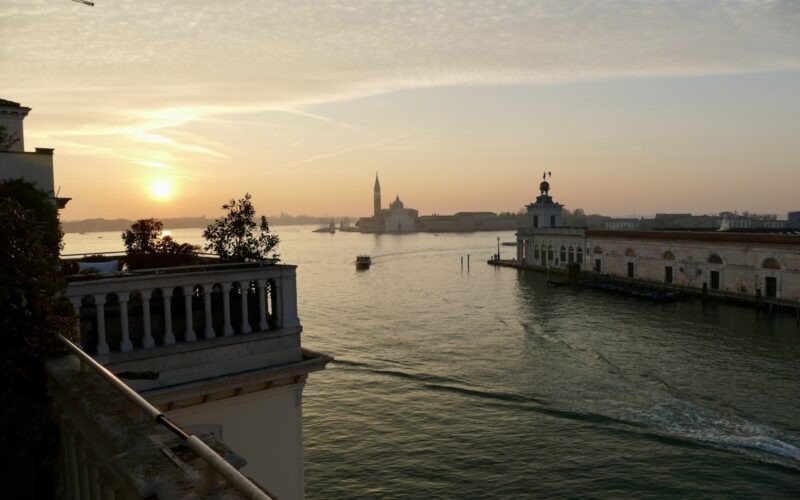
(237, 237)
(147, 248)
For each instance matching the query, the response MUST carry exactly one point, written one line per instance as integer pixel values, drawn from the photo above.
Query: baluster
(263, 324)
(169, 337)
(209, 330)
(148, 341)
(125, 345)
(72, 458)
(76, 303)
(245, 313)
(227, 329)
(189, 335)
(83, 467)
(100, 306)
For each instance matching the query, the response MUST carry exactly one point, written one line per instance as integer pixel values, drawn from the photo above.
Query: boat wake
(630, 406)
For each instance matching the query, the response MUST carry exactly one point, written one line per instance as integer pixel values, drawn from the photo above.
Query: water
(452, 382)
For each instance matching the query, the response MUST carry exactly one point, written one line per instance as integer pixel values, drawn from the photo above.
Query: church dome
(544, 187)
(397, 203)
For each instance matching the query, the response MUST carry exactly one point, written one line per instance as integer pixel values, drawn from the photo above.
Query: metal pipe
(211, 457)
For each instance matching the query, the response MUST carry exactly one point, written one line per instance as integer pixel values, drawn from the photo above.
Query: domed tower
(545, 212)
(377, 196)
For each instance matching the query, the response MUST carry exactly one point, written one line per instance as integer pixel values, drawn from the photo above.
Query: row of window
(570, 254)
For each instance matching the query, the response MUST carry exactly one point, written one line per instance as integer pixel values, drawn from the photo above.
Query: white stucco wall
(741, 270)
(33, 167)
(400, 221)
(264, 427)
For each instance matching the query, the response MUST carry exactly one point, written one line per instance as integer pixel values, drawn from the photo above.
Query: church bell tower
(377, 195)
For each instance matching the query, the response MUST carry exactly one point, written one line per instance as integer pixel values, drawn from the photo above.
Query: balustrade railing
(110, 449)
(127, 311)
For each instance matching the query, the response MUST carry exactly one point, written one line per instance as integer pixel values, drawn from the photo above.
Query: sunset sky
(169, 108)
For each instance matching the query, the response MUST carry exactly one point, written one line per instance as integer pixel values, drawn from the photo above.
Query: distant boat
(363, 262)
(326, 228)
(509, 243)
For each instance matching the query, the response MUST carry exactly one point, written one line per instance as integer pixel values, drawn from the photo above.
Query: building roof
(9, 104)
(706, 236)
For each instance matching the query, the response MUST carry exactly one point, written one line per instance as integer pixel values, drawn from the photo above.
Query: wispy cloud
(339, 152)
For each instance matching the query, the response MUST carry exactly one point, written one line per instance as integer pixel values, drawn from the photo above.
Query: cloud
(339, 152)
(312, 51)
(142, 72)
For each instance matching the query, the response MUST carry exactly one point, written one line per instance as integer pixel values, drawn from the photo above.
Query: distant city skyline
(171, 109)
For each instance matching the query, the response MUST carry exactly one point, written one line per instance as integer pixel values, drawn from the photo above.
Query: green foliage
(237, 237)
(31, 316)
(147, 248)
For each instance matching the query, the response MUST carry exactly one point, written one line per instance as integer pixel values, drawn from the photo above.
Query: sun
(161, 190)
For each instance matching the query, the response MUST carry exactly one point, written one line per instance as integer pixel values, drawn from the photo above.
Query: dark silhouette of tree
(237, 237)
(31, 316)
(143, 237)
(7, 140)
(147, 248)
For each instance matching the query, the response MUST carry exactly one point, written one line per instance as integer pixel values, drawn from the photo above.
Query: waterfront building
(215, 347)
(623, 223)
(399, 219)
(395, 219)
(461, 222)
(737, 264)
(793, 220)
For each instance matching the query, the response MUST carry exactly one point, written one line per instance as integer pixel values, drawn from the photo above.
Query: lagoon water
(452, 382)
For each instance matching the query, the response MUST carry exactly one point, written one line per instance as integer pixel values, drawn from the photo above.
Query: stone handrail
(127, 304)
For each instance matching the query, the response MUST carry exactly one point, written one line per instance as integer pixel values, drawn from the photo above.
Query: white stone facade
(737, 264)
(35, 167)
(220, 344)
(741, 264)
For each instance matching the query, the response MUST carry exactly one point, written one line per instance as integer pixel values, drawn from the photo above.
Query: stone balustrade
(107, 450)
(146, 309)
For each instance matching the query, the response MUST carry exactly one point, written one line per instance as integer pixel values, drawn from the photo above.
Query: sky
(170, 108)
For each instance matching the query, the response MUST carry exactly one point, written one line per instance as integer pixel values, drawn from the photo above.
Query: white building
(736, 264)
(216, 346)
(400, 219)
(395, 219)
(16, 163)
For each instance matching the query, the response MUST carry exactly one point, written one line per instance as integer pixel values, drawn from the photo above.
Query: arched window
(714, 259)
(563, 253)
(550, 252)
(579, 255)
(598, 250)
(571, 255)
(669, 255)
(771, 264)
(630, 252)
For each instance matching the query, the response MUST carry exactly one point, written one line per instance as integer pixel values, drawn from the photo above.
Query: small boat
(363, 262)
